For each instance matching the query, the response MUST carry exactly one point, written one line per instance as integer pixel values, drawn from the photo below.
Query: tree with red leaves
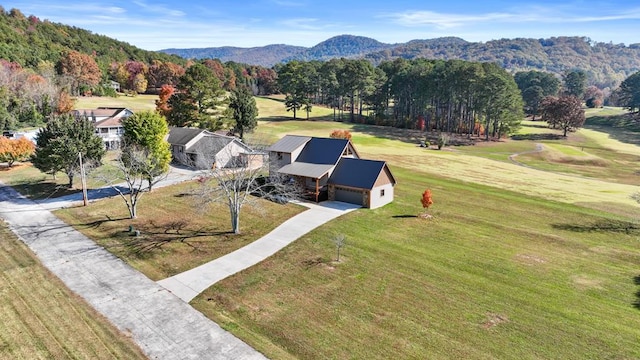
(564, 112)
(426, 200)
(162, 104)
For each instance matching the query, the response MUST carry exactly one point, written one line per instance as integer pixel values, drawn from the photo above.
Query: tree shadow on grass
(636, 281)
(624, 128)
(541, 125)
(601, 226)
(538, 137)
(97, 223)
(411, 136)
(41, 190)
(152, 236)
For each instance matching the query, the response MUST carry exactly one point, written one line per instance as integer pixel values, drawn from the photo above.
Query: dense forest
(605, 64)
(29, 41)
(451, 96)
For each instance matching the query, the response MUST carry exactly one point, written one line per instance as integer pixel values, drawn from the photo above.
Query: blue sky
(159, 24)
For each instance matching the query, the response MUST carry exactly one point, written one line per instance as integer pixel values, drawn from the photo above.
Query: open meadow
(532, 251)
(42, 319)
(136, 103)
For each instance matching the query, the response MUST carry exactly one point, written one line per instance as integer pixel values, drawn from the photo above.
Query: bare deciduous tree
(136, 169)
(340, 241)
(242, 181)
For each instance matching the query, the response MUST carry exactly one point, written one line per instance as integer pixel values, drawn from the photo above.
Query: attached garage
(349, 195)
(363, 182)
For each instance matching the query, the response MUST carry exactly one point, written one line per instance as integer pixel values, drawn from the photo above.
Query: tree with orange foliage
(426, 200)
(65, 103)
(81, 68)
(162, 104)
(15, 150)
(340, 134)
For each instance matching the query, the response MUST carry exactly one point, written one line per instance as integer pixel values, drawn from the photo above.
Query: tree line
(451, 96)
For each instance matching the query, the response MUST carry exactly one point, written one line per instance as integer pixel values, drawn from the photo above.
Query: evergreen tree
(243, 110)
(630, 92)
(60, 142)
(575, 83)
(197, 99)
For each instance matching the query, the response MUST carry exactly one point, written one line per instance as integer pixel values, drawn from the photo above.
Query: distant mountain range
(606, 64)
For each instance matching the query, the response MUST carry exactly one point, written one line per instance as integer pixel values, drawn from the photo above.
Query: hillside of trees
(30, 42)
(605, 64)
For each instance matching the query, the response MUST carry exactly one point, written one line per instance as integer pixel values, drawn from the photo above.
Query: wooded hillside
(30, 41)
(606, 64)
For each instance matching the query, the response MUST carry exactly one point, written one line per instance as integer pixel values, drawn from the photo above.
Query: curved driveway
(189, 284)
(158, 318)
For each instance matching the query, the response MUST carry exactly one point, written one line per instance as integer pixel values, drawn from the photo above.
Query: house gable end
(385, 177)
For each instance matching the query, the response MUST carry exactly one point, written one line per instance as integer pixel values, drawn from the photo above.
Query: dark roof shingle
(323, 151)
(357, 173)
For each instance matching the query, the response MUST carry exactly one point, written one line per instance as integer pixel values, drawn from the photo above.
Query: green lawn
(136, 103)
(177, 233)
(517, 262)
(36, 185)
(494, 274)
(43, 319)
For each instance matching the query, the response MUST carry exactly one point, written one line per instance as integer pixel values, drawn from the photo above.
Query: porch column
(317, 190)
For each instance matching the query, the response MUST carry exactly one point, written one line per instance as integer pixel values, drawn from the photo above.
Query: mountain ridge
(606, 64)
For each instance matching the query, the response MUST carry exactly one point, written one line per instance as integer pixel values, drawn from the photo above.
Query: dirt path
(539, 148)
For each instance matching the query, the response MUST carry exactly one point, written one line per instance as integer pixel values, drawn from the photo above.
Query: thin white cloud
(159, 9)
(442, 20)
(43, 8)
(561, 14)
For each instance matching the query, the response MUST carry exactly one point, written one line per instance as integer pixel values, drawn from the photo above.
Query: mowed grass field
(136, 103)
(177, 232)
(512, 264)
(494, 274)
(41, 319)
(517, 262)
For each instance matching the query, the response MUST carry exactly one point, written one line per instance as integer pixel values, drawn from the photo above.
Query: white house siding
(377, 199)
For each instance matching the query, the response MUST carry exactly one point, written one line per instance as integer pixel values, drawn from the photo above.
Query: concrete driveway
(176, 174)
(189, 284)
(164, 326)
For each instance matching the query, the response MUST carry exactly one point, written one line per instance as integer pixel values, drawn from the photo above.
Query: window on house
(279, 156)
(381, 192)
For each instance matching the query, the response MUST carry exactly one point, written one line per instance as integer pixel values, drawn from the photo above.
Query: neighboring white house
(204, 149)
(107, 122)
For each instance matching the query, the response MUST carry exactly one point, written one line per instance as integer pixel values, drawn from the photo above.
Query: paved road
(189, 284)
(164, 326)
(176, 175)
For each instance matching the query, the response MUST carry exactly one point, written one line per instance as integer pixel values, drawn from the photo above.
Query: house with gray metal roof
(204, 149)
(332, 169)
